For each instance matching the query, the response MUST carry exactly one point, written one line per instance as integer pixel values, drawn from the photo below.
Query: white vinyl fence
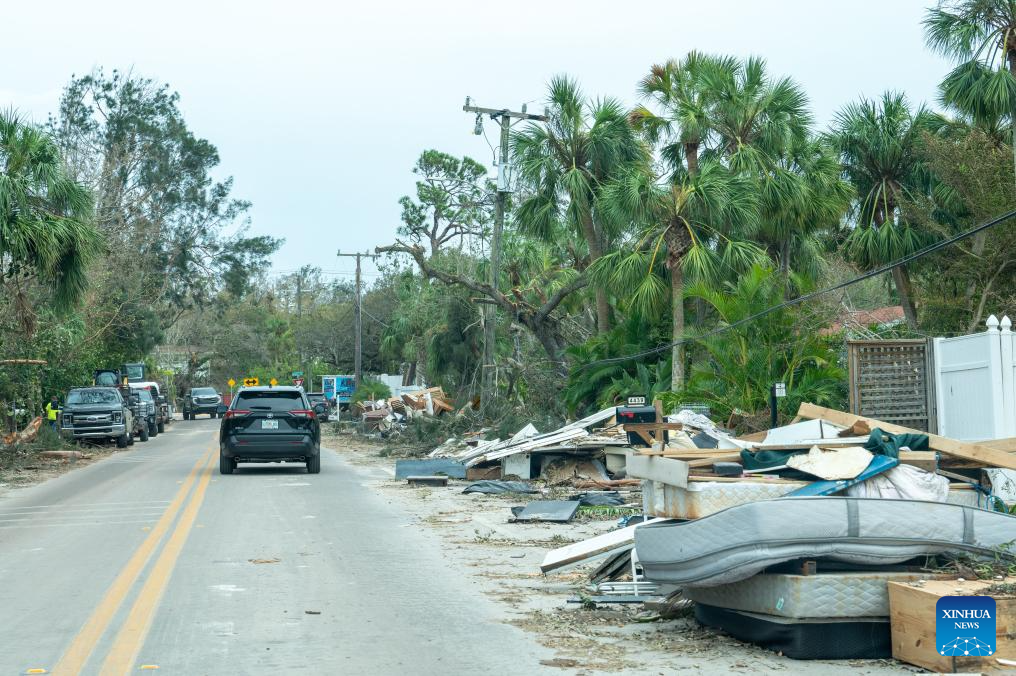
(975, 383)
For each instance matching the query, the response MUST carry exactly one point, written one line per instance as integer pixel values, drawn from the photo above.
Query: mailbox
(637, 414)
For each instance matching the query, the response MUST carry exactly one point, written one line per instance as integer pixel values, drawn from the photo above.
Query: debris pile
(577, 454)
(384, 415)
(793, 538)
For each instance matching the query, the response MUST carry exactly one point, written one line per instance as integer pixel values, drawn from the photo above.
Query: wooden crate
(912, 614)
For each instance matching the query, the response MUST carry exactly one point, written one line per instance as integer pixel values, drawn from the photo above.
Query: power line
(920, 253)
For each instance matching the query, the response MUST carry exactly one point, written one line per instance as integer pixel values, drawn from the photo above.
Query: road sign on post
(250, 382)
(231, 382)
(273, 382)
(298, 382)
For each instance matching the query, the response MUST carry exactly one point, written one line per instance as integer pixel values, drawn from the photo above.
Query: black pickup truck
(96, 414)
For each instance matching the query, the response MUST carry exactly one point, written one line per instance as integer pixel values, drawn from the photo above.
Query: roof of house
(881, 316)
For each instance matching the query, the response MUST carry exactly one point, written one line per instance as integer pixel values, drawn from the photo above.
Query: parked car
(201, 400)
(270, 424)
(150, 407)
(322, 407)
(97, 413)
(163, 415)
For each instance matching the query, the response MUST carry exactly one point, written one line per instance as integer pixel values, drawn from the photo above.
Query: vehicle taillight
(303, 413)
(236, 413)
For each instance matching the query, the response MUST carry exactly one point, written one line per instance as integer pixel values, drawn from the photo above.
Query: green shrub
(371, 389)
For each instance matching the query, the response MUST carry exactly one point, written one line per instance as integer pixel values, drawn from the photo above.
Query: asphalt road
(151, 559)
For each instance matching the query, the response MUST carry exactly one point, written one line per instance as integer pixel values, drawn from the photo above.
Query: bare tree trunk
(679, 242)
(1011, 54)
(691, 156)
(677, 328)
(595, 252)
(901, 278)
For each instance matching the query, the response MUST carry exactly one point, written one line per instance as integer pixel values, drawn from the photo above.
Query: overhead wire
(920, 253)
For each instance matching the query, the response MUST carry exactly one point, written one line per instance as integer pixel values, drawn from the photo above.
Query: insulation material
(832, 463)
(904, 482)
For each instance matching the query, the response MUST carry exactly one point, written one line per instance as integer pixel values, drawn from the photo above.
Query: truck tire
(143, 435)
(161, 427)
(314, 464)
(130, 439)
(153, 430)
(121, 441)
(226, 465)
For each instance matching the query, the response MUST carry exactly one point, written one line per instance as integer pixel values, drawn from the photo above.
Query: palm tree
(761, 128)
(981, 36)
(682, 127)
(878, 142)
(567, 162)
(46, 227)
(695, 223)
(754, 117)
(803, 193)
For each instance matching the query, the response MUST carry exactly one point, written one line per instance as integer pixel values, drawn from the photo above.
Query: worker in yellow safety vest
(52, 411)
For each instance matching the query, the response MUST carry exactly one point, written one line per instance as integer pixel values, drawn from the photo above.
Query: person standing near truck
(52, 411)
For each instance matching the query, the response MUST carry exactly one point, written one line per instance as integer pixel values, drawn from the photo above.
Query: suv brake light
(303, 413)
(236, 413)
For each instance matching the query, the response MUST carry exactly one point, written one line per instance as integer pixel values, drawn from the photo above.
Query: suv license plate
(269, 424)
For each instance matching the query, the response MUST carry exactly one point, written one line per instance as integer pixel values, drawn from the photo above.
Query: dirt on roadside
(20, 467)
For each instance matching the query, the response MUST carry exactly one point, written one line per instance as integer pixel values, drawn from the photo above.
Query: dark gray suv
(270, 424)
(201, 400)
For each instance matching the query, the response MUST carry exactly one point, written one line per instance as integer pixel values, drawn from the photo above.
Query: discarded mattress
(702, 498)
(814, 639)
(837, 594)
(741, 541)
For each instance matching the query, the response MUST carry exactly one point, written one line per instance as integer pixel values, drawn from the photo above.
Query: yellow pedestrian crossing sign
(273, 382)
(250, 382)
(231, 382)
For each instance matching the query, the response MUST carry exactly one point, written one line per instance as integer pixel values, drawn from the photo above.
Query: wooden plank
(652, 427)
(926, 460)
(666, 470)
(1007, 445)
(733, 456)
(912, 617)
(958, 449)
(594, 547)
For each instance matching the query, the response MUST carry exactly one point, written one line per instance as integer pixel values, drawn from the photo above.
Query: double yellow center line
(131, 636)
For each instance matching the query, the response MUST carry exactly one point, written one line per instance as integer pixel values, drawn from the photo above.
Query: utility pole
(504, 116)
(299, 319)
(358, 335)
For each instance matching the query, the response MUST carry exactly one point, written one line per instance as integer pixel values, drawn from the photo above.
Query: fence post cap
(1006, 324)
(992, 323)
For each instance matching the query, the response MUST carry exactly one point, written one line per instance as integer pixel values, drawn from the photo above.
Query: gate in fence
(891, 380)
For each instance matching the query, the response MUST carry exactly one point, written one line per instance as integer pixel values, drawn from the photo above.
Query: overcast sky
(319, 110)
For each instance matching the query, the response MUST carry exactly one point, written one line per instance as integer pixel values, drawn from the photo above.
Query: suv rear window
(270, 401)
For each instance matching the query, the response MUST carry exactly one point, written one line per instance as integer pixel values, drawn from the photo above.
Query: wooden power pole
(488, 383)
(357, 316)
